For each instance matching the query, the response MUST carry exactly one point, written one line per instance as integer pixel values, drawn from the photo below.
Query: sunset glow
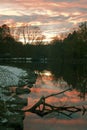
(46, 73)
(52, 16)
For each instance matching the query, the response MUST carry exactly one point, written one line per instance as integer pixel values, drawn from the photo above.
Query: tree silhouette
(82, 31)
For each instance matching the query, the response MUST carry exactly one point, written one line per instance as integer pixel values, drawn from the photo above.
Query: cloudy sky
(52, 16)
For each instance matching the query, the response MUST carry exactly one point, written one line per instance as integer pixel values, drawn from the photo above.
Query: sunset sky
(52, 16)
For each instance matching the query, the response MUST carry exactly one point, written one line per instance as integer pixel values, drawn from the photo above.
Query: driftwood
(42, 108)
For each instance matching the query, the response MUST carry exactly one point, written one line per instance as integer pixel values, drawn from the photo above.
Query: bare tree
(15, 32)
(34, 34)
(23, 32)
(31, 34)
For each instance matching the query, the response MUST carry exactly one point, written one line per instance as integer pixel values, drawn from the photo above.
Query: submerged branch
(42, 108)
(57, 93)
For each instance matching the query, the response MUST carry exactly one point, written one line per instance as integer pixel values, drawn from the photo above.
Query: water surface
(46, 84)
(54, 78)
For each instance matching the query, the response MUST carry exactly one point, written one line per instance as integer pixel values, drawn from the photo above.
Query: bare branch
(57, 93)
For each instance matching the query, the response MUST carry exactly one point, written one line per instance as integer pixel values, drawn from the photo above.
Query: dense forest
(72, 47)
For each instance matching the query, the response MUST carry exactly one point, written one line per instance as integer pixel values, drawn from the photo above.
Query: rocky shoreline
(11, 104)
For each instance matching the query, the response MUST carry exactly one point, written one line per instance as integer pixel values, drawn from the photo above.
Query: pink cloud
(49, 14)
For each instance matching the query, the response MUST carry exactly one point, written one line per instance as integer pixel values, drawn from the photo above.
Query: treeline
(73, 46)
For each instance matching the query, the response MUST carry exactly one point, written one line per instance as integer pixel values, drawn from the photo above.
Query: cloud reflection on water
(45, 85)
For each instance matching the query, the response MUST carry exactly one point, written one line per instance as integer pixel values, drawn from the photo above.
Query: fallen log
(42, 108)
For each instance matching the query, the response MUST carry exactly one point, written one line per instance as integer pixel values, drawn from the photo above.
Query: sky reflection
(54, 124)
(44, 86)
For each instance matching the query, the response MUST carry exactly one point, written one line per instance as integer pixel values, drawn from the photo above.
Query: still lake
(53, 78)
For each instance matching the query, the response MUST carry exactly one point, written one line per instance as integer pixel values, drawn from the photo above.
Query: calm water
(46, 85)
(52, 79)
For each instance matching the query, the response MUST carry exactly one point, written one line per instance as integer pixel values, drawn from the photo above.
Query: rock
(2, 108)
(14, 81)
(4, 127)
(17, 100)
(16, 121)
(7, 93)
(30, 85)
(28, 79)
(12, 89)
(22, 91)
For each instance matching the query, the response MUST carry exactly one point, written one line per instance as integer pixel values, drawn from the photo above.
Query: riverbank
(11, 104)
